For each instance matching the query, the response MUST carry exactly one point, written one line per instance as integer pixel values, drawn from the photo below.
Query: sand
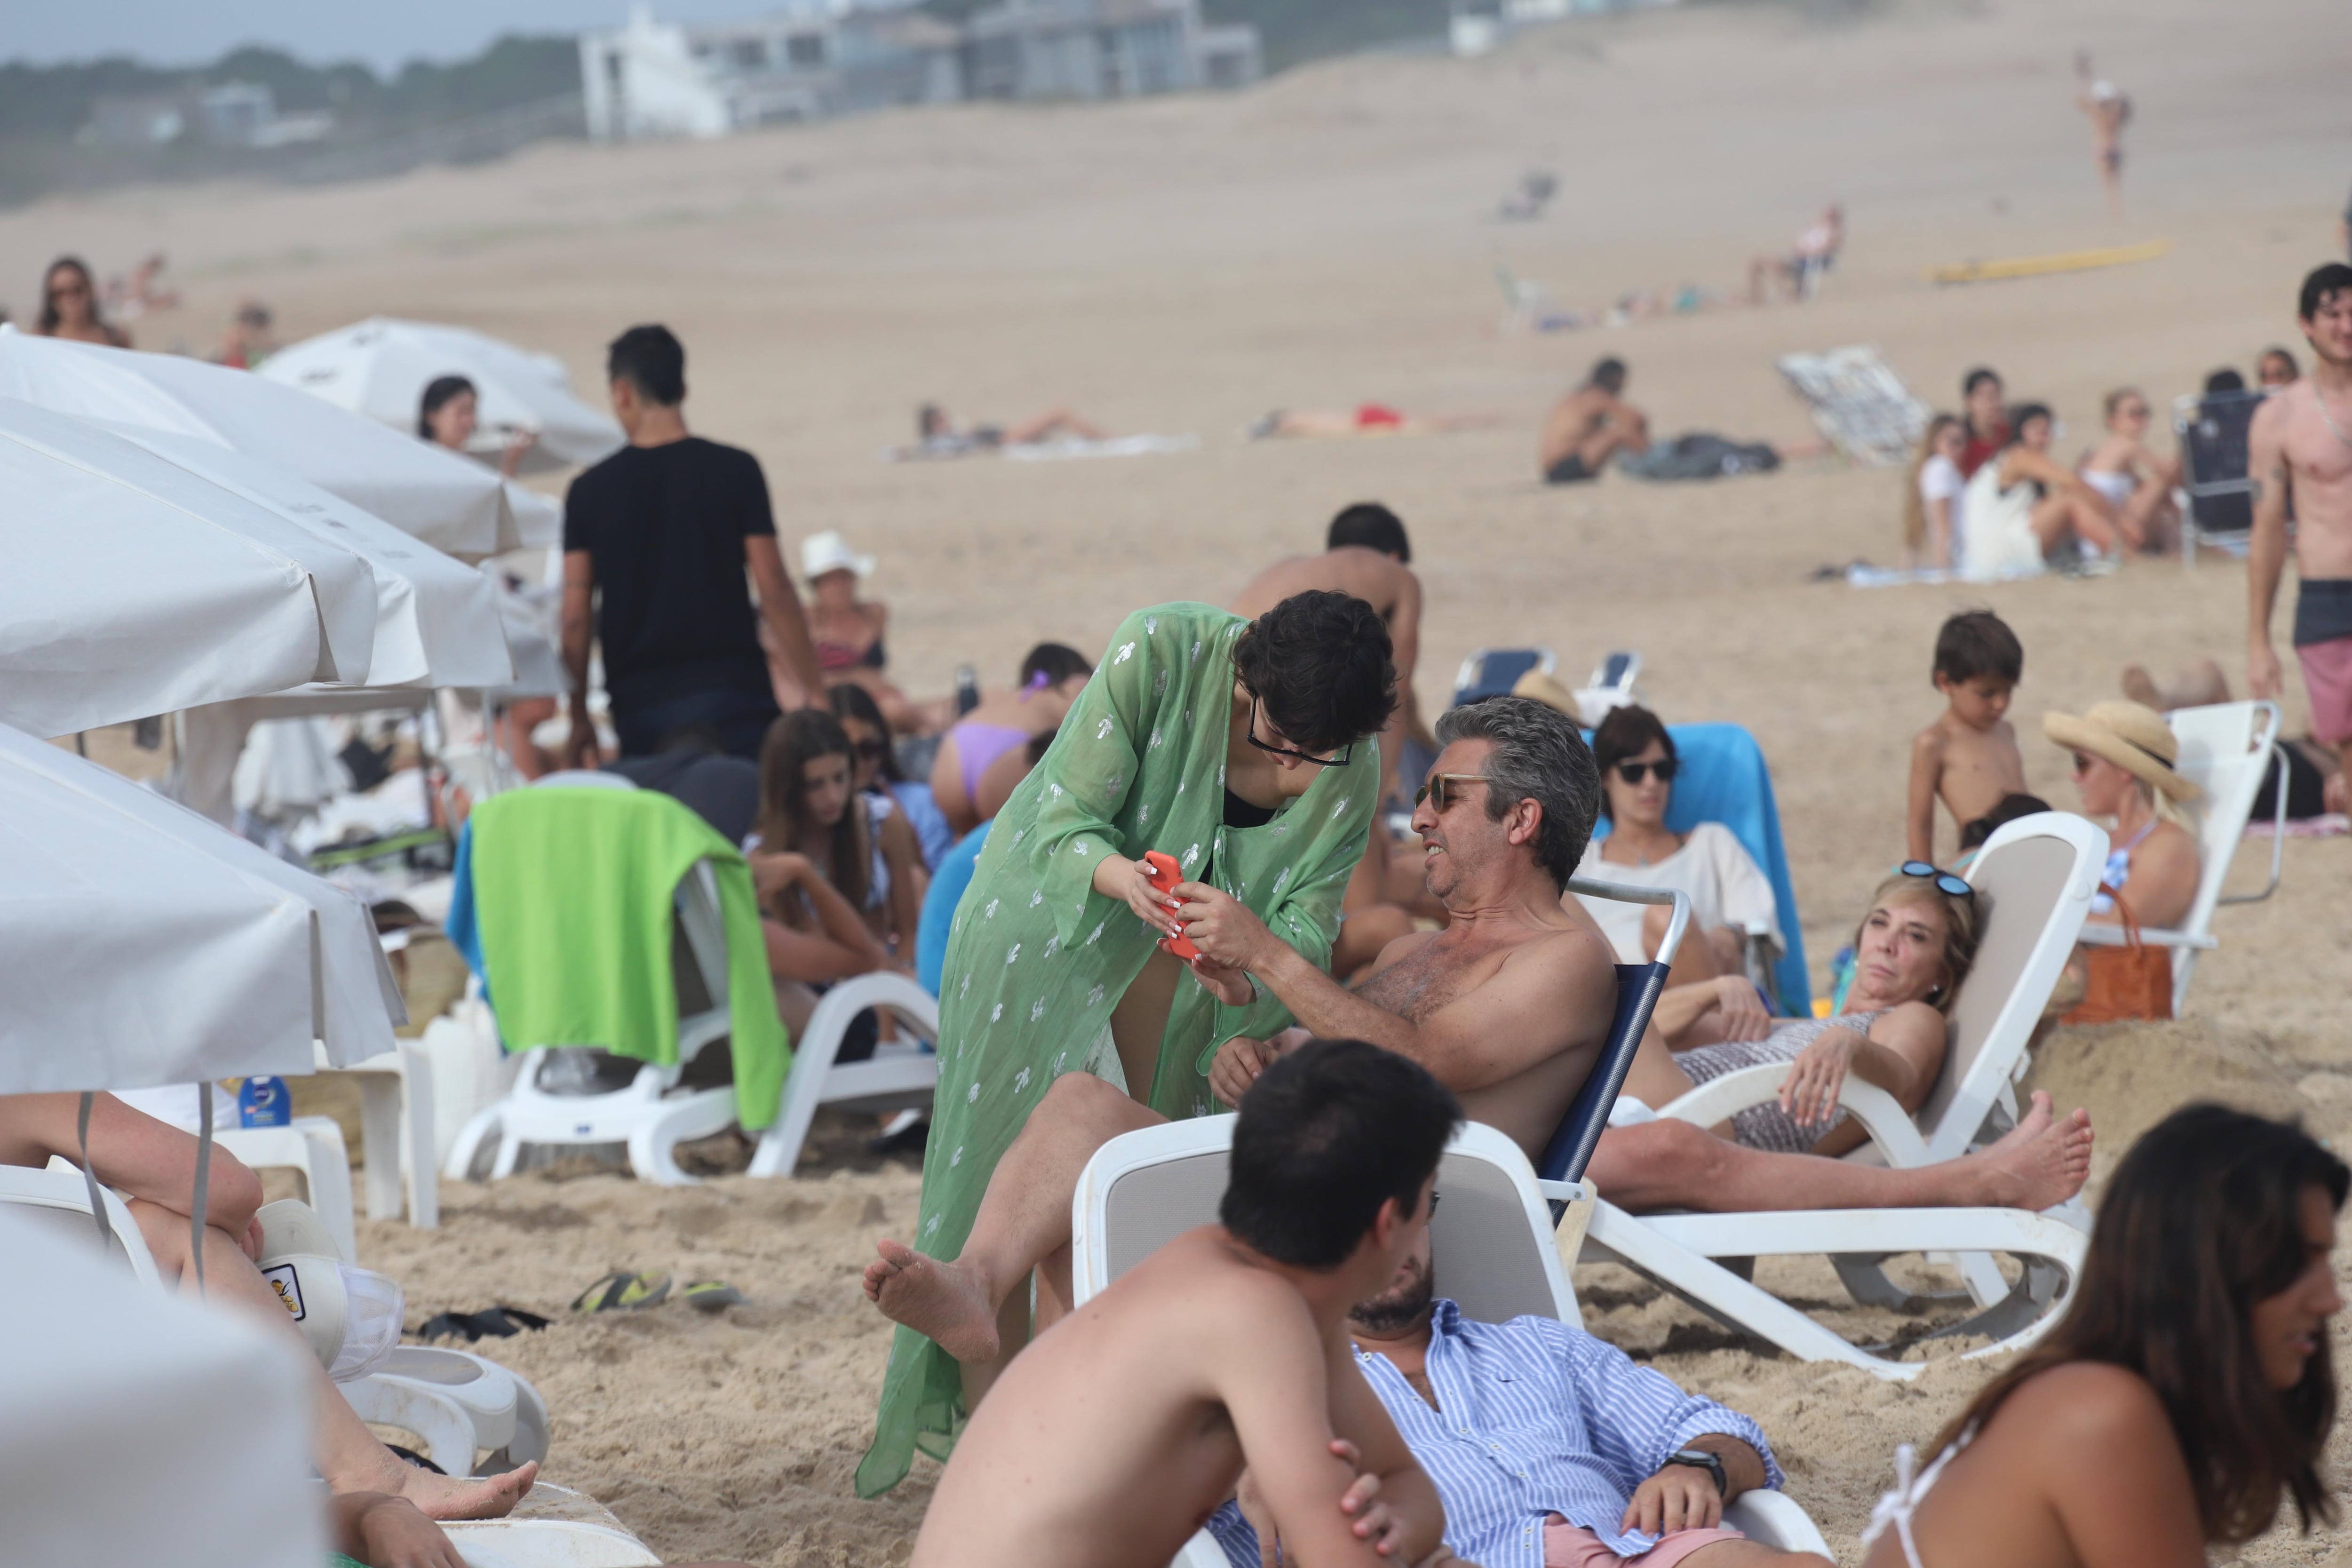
(1182, 266)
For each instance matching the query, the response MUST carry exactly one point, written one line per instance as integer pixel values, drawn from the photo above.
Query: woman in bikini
(2188, 1387)
(69, 307)
(2136, 479)
(848, 632)
(2124, 757)
(983, 757)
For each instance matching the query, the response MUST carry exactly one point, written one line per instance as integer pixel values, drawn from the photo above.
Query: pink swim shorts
(1573, 1546)
(2327, 676)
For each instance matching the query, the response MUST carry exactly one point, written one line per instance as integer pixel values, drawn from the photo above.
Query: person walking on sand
(1590, 426)
(2300, 450)
(2109, 110)
(1244, 750)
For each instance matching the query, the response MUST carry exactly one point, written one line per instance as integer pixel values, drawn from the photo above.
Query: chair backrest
(2214, 430)
(1489, 1242)
(1570, 1149)
(58, 1199)
(1493, 671)
(583, 778)
(2034, 878)
(2224, 751)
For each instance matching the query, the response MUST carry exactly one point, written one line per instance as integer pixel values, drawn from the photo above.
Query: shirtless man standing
(2300, 450)
(1117, 1434)
(1590, 426)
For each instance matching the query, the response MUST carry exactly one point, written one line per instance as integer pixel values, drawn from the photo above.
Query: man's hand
(1679, 1496)
(1222, 927)
(1228, 985)
(580, 748)
(1361, 1502)
(1236, 1067)
(1740, 1008)
(2263, 670)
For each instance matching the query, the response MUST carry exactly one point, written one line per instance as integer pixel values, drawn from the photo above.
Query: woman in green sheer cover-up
(1052, 964)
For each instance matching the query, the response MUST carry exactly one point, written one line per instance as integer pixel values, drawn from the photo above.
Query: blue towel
(464, 928)
(948, 880)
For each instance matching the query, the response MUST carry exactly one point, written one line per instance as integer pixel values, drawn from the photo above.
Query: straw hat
(1543, 688)
(2131, 735)
(828, 551)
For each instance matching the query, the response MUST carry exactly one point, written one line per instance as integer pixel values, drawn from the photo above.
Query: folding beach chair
(899, 1075)
(1493, 671)
(2213, 428)
(2225, 749)
(2034, 881)
(1491, 1250)
(1858, 403)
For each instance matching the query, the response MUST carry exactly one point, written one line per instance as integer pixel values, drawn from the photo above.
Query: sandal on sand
(712, 1296)
(623, 1293)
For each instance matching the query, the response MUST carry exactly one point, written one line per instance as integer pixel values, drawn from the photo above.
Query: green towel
(571, 890)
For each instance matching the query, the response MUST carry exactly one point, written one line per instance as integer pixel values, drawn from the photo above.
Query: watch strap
(1700, 1459)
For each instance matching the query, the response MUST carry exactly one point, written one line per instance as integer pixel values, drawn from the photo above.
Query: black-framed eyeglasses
(1341, 760)
(1945, 881)
(1662, 770)
(1435, 792)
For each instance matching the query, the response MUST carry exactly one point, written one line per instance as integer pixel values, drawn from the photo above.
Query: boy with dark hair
(657, 542)
(1969, 756)
(1118, 1431)
(1370, 526)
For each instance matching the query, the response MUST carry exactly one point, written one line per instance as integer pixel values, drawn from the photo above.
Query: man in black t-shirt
(656, 539)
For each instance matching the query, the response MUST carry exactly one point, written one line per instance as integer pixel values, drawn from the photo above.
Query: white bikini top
(1897, 1506)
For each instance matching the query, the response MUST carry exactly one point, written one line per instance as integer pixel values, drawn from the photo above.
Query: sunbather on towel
(937, 436)
(1611, 1460)
(1117, 1433)
(153, 1164)
(1364, 419)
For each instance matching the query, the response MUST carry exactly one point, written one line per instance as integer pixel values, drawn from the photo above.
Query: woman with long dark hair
(69, 306)
(2188, 1387)
(449, 414)
(876, 773)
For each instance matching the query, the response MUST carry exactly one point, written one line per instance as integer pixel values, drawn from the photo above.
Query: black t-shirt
(723, 790)
(666, 526)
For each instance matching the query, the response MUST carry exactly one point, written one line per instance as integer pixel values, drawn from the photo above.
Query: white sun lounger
(897, 1076)
(2034, 879)
(1491, 1249)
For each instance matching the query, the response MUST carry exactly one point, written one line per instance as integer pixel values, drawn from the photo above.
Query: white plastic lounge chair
(2034, 878)
(396, 1133)
(2224, 751)
(314, 1146)
(896, 1077)
(1491, 1249)
(547, 1543)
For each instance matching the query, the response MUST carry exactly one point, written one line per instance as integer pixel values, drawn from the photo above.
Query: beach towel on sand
(562, 905)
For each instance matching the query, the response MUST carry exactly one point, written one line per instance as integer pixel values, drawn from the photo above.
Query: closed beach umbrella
(141, 945)
(133, 586)
(381, 367)
(452, 503)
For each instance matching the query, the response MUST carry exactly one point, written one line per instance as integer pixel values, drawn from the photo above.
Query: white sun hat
(828, 551)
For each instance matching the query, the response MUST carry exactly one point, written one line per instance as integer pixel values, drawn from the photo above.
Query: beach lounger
(1493, 671)
(397, 1137)
(1858, 403)
(2036, 877)
(2216, 491)
(1491, 1249)
(899, 1075)
(2225, 749)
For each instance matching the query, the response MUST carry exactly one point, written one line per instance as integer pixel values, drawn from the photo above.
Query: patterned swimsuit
(1768, 1126)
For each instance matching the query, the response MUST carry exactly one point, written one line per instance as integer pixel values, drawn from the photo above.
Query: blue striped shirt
(1535, 1417)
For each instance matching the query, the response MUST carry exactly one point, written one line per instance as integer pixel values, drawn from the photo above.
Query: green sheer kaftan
(1038, 959)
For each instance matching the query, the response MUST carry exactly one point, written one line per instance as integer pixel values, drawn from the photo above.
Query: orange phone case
(1165, 875)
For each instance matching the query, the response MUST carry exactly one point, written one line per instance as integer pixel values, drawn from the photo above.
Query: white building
(1103, 49)
(1479, 26)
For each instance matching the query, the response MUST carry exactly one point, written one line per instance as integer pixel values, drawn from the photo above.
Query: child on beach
(1969, 756)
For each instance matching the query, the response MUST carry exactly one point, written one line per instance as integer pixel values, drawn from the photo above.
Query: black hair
(437, 392)
(2224, 379)
(2294, 367)
(850, 700)
(1978, 378)
(930, 420)
(1320, 666)
(1608, 375)
(1541, 756)
(2321, 286)
(2024, 413)
(1326, 1135)
(801, 737)
(651, 360)
(50, 320)
(1056, 661)
(1040, 744)
(1373, 526)
(700, 738)
(1625, 732)
(1978, 642)
(2011, 807)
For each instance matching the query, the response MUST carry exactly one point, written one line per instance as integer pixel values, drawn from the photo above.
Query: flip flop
(621, 1291)
(501, 1321)
(712, 1296)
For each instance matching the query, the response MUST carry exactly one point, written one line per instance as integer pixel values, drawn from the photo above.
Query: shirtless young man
(1119, 1433)
(2300, 449)
(1590, 426)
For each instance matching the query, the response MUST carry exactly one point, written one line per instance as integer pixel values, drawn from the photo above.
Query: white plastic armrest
(1881, 1114)
(2113, 936)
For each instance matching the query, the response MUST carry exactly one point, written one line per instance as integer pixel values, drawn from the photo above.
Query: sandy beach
(1182, 266)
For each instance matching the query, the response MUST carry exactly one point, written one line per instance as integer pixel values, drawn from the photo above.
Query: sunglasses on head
(1271, 750)
(1437, 794)
(1635, 772)
(1945, 881)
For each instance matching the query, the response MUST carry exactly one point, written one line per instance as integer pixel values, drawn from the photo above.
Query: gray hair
(1541, 756)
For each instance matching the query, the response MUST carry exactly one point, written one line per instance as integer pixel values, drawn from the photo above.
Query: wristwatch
(1700, 1459)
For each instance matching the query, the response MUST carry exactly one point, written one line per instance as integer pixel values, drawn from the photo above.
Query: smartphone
(1165, 875)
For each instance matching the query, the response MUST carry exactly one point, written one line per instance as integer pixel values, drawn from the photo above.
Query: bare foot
(2140, 686)
(2042, 1161)
(942, 1301)
(467, 1497)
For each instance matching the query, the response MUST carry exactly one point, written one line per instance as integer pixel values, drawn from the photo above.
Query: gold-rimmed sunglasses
(1437, 794)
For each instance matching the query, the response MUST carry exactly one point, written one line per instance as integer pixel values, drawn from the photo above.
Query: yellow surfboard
(2039, 266)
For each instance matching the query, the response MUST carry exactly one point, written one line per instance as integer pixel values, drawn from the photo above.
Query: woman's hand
(1229, 985)
(1236, 1066)
(1221, 926)
(391, 1532)
(774, 870)
(1809, 1093)
(1130, 882)
(1740, 1008)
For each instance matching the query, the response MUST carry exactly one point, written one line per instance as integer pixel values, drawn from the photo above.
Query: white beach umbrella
(130, 585)
(381, 367)
(141, 945)
(451, 502)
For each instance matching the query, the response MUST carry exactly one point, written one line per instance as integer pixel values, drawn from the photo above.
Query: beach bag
(2130, 982)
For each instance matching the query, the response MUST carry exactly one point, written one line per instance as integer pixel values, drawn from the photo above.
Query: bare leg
(1753, 1554)
(1053, 422)
(1023, 1221)
(1670, 1164)
(1140, 1017)
(348, 1455)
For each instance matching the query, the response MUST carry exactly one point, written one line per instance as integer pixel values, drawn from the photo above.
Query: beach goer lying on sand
(2025, 508)
(1508, 1006)
(1931, 500)
(1984, 403)
(1731, 900)
(1613, 1459)
(1815, 252)
(153, 1166)
(1120, 1429)
(1968, 758)
(1364, 419)
(937, 436)
(69, 307)
(1590, 426)
(2137, 481)
(982, 758)
(2276, 369)
(2187, 1389)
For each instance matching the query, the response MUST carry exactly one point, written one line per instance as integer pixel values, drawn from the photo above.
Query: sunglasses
(1437, 794)
(1635, 772)
(1340, 760)
(872, 751)
(1945, 881)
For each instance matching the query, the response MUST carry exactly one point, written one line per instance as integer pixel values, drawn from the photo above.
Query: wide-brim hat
(828, 551)
(2131, 735)
(1543, 688)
